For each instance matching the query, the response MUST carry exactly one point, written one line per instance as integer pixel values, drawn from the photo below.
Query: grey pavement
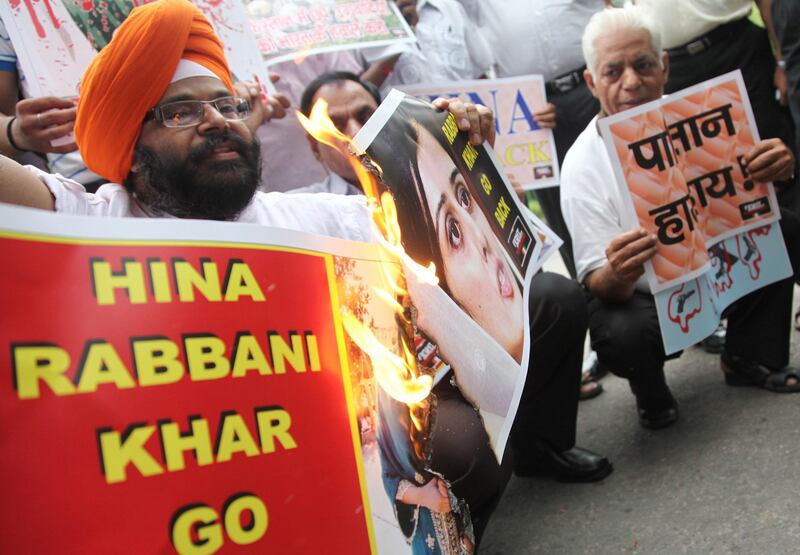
(724, 479)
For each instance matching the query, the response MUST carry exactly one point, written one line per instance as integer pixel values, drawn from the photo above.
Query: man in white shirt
(158, 115)
(625, 68)
(449, 48)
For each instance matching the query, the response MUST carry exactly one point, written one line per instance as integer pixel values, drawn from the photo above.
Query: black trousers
(574, 110)
(547, 410)
(627, 337)
(747, 49)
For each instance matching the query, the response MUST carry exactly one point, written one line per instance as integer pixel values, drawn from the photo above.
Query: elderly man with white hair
(626, 67)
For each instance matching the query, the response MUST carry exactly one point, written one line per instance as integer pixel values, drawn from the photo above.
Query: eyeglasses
(186, 113)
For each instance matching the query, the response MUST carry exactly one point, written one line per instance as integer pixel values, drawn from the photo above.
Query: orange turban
(128, 77)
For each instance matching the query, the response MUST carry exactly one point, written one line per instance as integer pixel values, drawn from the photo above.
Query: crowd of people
(188, 142)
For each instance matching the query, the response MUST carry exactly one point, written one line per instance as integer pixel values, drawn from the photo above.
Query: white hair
(612, 20)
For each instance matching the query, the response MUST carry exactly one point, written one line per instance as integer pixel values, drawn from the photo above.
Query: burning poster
(288, 29)
(455, 210)
(526, 151)
(55, 40)
(679, 160)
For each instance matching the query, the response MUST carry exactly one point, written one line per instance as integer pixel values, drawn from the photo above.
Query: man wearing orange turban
(128, 77)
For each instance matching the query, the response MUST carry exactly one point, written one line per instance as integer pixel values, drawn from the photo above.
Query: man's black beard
(179, 187)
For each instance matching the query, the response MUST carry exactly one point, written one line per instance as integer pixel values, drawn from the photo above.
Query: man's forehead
(625, 44)
(194, 88)
(342, 95)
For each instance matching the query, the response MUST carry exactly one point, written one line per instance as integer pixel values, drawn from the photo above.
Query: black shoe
(655, 419)
(655, 404)
(657, 413)
(572, 465)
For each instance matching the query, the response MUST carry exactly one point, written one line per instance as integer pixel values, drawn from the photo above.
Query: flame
(391, 371)
(397, 375)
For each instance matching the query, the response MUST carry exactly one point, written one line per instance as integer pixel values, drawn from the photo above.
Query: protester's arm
(770, 160)
(616, 279)
(19, 186)
(477, 119)
(378, 71)
(779, 79)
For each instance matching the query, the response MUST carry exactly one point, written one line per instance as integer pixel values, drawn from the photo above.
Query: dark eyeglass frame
(241, 112)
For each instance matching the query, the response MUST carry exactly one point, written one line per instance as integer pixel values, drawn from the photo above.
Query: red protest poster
(168, 396)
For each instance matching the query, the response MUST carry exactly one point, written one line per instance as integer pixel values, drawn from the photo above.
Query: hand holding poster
(526, 150)
(680, 159)
(681, 162)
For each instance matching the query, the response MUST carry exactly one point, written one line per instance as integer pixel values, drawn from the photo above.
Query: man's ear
(587, 76)
(314, 144)
(665, 64)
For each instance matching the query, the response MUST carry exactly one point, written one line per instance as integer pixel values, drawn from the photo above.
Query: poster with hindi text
(293, 29)
(526, 151)
(679, 161)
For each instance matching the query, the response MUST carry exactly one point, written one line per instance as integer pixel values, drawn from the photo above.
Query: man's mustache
(235, 142)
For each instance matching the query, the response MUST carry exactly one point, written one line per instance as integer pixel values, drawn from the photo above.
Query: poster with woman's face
(456, 210)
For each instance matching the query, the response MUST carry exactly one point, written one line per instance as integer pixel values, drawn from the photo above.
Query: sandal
(741, 372)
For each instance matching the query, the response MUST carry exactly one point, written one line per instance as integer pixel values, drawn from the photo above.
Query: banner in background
(526, 151)
(293, 29)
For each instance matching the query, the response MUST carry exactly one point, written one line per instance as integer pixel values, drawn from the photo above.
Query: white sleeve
(480, 54)
(71, 198)
(591, 216)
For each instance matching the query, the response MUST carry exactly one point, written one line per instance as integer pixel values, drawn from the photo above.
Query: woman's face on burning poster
(478, 275)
